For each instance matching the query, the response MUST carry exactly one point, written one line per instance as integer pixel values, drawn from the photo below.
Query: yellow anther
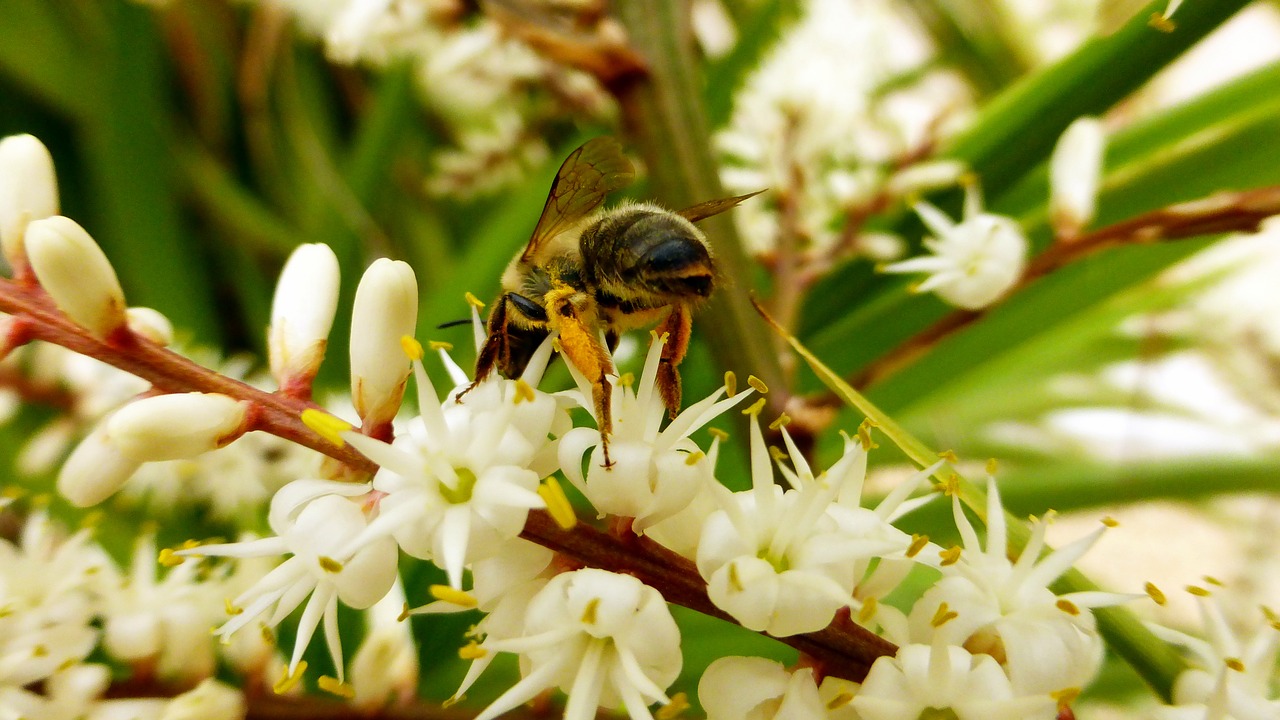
(782, 421)
(777, 453)
(39, 650)
(1065, 696)
(334, 686)
(950, 556)
(949, 455)
(288, 680)
(453, 596)
(231, 608)
(524, 392)
(755, 407)
(557, 346)
(558, 505)
(439, 345)
(864, 434)
(674, 709)
(474, 301)
(735, 581)
(1198, 591)
(1067, 606)
(1211, 580)
(943, 616)
(1235, 664)
(190, 543)
(918, 543)
(472, 651)
(694, 458)
(405, 612)
(268, 637)
(329, 565)
(868, 610)
(325, 425)
(840, 701)
(993, 466)
(1162, 23)
(168, 559)
(590, 612)
(411, 347)
(94, 519)
(655, 337)
(758, 384)
(730, 383)
(1155, 593)
(950, 485)
(627, 379)
(718, 434)
(1110, 522)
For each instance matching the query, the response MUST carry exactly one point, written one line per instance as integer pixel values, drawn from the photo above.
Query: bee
(591, 274)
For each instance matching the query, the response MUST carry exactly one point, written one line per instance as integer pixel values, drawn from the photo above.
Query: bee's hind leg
(677, 326)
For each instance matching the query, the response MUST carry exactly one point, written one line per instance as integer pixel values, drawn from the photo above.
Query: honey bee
(590, 274)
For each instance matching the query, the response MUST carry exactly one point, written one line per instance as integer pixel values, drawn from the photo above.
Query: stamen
(411, 347)
(453, 596)
(558, 505)
(1155, 593)
(334, 686)
(288, 680)
(440, 345)
(474, 301)
(943, 616)
(325, 425)
(730, 383)
(758, 384)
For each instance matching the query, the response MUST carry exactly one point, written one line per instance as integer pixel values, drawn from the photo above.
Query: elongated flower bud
(95, 470)
(76, 274)
(28, 191)
(1074, 172)
(386, 309)
(150, 324)
(174, 427)
(302, 313)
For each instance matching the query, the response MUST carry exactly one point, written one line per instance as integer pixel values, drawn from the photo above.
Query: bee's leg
(678, 325)
(494, 349)
(582, 348)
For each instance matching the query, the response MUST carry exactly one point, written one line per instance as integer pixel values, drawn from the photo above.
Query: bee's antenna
(453, 323)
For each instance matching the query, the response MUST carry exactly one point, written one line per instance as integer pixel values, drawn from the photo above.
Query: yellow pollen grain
(524, 392)
(943, 616)
(474, 301)
(330, 565)
(558, 506)
(590, 612)
(411, 347)
(950, 456)
(718, 434)
(950, 556)
(918, 543)
(334, 686)
(289, 681)
(1067, 606)
(868, 610)
(472, 651)
(451, 595)
(694, 458)
(325, 425)
(168, 559)
(439, 345)
(1198, 591)
(1065, 696)
(730, 383)
(782, 421)
(231, 608)
(839, 701)
(1155, 593)
(1110, 522)
(755, 407)
(1235, 664)
(993, 466)
(674, 709)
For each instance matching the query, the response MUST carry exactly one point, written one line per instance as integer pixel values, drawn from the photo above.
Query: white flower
(385, 667)
(176, 426)
(1047, 642)
(972, 263)
(1074, 171)
(385, 310)
(656, 472)
(28, 192)
(460, 483)
(210, 700)
(782, 561)
(317, 522)
(302, 311)
(603, 638)
(76, 274)
(922, 678)
(96, 470)
(734, 688)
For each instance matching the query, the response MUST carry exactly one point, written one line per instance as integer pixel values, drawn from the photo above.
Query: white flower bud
(302, 313)
(1074, 172)
(150, 324)
(385, 668)
(926, 176)
(386, 309)
(76, 274)
(28, 191)
(210, 700)
(175, 427)
(95, 470)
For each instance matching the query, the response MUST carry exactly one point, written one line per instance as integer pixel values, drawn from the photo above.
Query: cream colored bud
(175, 427)
(302, 312)
(210, 700)
(386, 309)
(1075, 170)
(95, 470)
(926, 176)
(28, 191)
(76, 274)
(150, 324)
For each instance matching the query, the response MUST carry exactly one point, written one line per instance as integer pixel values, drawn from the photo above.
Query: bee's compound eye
(527, 307)
(674, 252)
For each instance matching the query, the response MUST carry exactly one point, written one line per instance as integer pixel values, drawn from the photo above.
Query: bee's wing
(589, 174)
(702, 211)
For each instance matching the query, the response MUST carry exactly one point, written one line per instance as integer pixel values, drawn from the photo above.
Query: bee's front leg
(678, 327)
(494, 348)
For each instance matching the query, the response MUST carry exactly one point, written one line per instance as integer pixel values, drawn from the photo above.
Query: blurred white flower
(733, 688)
(28, 191)
(1075, 169)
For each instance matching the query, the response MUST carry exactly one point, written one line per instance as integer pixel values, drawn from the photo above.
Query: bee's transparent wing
(701, 211)
(588, 175)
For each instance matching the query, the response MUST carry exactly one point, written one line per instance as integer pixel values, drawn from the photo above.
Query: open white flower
(973, 262)
(605, 639)
(733, 688)
(655, 472)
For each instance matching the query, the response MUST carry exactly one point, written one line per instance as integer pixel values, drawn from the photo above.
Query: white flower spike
(973, 262)
(28, 192)
(302, 311)
(76, 274)
(1075, 170)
